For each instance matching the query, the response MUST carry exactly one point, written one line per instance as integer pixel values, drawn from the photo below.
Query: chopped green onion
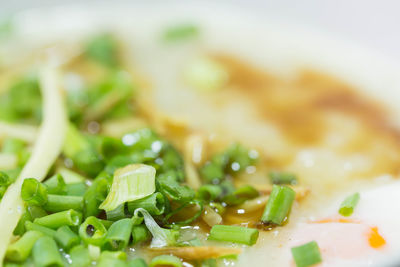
(278, 206)
(348, 205)
(45, 253)
(198, 207)
(136, 220)
(118, 235)
(166, 260)
(235, 234)
(36, 212)
(168, 185)
(206, 74)
(120, 255)
(180, 32)
(240, 158)
(56, 220)
(33, 192)
(107, 224)
(30, 226)
(94, 252)
(161, 237)
(20, 250)
(283, 178)
(95, 194)
(154, 204)
(130, 183)
(56, 185)
(76, 189)
(83, 153)
(79, 256)
(57, 203)
(71, 177)
(140, 234)
(138, 262)
(209, 263)
(117, 214)
(307, 254)
(212, 172)
(114, 258)
(20, 228)
(92, 231)
(240, 195)
(66, 238)
(103, 49)
(5, 180)
(209, 192)
(109, 96)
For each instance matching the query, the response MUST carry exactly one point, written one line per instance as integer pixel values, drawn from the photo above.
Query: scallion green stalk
(235, 234)
(209, 192)
(115, 258)
(5, 179)
(56, 185)
(20, 228)
(138, 262)
(130, 183)
(33, 192)
(154, 204)
(278, 206)
(92, 231)
(166, 260)
(282, 178)
(307, 254)
(30, 226)
(76, 189)
(116, 214)
(107, 224)
(36, 212)
(56, 203)
(94, 195)
(45, 253)
(20, 250)
(71, 177)
(79, 256)
(118, 235)
(56, 220)
(140, 234)
(348, 205)
(66, 238)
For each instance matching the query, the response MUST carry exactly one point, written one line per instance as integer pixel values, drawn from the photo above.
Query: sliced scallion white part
(23, 132)
(205, 74)
(46, 150)
(161, 237)
(130, 183)
(8, 161)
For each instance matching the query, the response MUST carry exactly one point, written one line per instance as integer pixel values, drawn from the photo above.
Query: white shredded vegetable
(8, 161)
(26, 133)
(46, 150)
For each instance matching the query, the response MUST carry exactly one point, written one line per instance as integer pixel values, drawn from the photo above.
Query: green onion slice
(348, 205)
(161, 237)
(33, 192)
(278, 205)
(235, 234)
(166, 260)
(130, 183)
(307, 254)
(92, 231)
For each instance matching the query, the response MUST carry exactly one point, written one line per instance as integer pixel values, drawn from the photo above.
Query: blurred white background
(372, 23)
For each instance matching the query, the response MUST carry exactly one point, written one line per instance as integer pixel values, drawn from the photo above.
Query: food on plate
(186, 156)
